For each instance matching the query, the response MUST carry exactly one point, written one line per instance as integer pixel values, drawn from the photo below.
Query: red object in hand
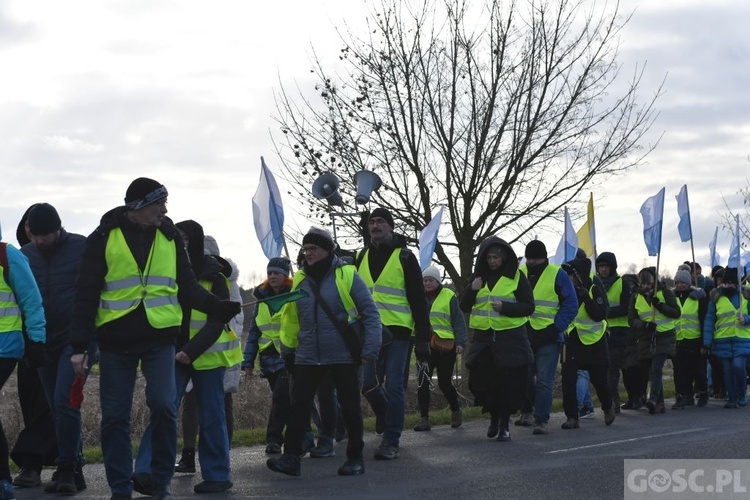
(76, 392)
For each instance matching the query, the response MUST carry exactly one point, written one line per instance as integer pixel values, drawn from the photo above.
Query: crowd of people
(143, 293)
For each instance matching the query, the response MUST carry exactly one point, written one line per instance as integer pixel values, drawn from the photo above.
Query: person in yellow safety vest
(205, 348)
(689, 362)
(328, 332)
(133, 267)
(586, 344)
(653, 312)
(21, 319)
(448, 323)
(726, 332)
(264, 340)
(499, 300)
(556, 306)
(393, 275)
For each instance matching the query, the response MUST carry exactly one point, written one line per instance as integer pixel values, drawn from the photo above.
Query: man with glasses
(394, 276)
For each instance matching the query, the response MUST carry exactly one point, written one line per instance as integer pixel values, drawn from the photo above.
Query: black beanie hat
(320, 237)
(143, 192)
(43, 219)
(535, 249)
(280, 265)
(384, 214)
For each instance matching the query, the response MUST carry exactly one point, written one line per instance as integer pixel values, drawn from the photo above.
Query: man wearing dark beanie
(556, 307)
(126, 297)
(54, 257)
(385, 264)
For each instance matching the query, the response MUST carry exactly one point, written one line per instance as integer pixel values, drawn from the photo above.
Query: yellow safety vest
(389, 291)
(727, 324)
(646, 313)
(270, 328)
(125, 286)
(589, 331)
(688, 324)
(546, 301)
(613, 297)
(225, 351)
(344, 277)
(483, 317)
(440, 314)
(10, 313)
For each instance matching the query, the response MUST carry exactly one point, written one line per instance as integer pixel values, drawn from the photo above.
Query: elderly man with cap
(556, 307)
(689, 362)
(394, 276)
(55, 257)
(264, 339)
(126, 298)
(726, 332)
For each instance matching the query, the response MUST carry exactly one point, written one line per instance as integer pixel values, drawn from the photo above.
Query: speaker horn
(326, 187)
(367, 182)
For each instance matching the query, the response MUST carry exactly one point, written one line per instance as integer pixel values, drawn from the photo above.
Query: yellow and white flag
(587, 233)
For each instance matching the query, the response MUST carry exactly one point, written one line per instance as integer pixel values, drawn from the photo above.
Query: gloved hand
(289, 361)
(422, 351)
(34, 355)
(656, 303)
(583, 294)
(697, 293)
(224, 310)
(649, 327)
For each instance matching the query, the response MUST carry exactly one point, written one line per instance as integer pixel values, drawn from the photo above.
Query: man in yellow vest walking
(394, 276)
(133, 265)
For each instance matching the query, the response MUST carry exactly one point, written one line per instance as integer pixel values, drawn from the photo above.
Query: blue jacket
(727, 347)
(55, 275)
(29, 300)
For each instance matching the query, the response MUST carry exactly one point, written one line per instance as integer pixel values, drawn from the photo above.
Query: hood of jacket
(510, 260)
(609, 259)
(581, 270)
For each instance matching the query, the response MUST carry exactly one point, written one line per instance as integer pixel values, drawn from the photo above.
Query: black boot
(187, 462)
(78, 477)
(65, 479)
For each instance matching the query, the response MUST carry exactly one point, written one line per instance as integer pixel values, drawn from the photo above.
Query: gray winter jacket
(320, 343)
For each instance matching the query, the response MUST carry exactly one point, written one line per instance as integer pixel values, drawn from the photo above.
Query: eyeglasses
(376, 220)
(310, 249)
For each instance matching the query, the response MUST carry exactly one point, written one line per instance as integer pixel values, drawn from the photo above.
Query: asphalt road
(456, 463)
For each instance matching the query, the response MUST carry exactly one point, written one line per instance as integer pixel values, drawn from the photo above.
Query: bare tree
(503, 113)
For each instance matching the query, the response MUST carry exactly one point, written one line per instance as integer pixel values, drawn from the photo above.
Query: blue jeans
(394, 357)
(57, 379)
(583, 394)
(116, 386)
(735, 377)
(213, 440)
(545, 363)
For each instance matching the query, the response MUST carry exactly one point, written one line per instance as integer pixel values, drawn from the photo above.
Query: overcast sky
(98, 92)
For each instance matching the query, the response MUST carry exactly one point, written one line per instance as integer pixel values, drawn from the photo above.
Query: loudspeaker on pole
(326, 187)
(367, 182)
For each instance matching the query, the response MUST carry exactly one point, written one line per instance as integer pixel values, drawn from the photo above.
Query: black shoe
(143, 484)
(117, 496)
(307, 444)
(504, 434)
(212, 486)
(628, 405)
(324, 449)
(638, 403)
(66, 484)
(702, 399)
(492, 430)
(352, 467)
(651, 405)
(186, 465)
(273, 449)
(386, 451)
(286, 464)
(340, 435)
(27, 478)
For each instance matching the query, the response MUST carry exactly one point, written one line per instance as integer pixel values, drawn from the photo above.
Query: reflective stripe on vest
(389, 291)
(589, 331)
(440, 314)
(546, 301)
(484, 317)
(225, 351)
(344, 277)
(727, 324)
(125, 287)
(688, 324)
(613, 297)
(646, 313)
(270, 328)
(10, 314)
